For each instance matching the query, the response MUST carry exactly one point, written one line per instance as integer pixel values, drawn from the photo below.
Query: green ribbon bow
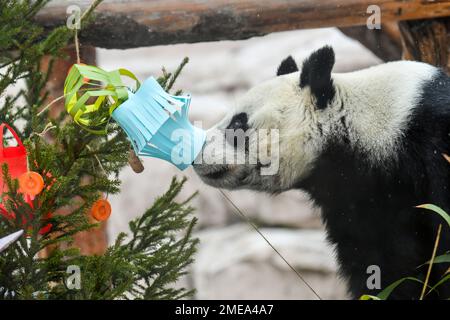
(84, 82)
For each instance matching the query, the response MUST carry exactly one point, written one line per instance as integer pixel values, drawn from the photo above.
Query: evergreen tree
(77, 167)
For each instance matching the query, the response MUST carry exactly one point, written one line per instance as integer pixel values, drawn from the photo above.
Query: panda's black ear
(316, 73)
(288, 65)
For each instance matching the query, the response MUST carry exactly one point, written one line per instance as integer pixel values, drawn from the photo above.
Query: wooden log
(427, 41)
(134, 23)
(134, 161)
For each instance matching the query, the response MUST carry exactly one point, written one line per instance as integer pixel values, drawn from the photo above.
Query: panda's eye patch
(239, 121)
(238, 126)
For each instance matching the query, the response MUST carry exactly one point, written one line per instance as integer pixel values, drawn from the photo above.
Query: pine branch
(77, 167)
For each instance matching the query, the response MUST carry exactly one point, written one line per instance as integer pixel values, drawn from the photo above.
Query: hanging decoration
(101, 210)
(156, 122)
(15, 157)
(30, 183)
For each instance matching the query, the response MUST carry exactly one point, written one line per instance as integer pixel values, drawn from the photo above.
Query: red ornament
(16, 159)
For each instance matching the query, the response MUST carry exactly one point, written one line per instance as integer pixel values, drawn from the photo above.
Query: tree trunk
(93, 241)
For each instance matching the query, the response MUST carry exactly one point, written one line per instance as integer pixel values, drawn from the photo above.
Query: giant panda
(367, 146)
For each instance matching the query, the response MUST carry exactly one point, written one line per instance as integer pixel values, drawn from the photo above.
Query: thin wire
(93, 5)
(47, 128)
(77, 46)
(270, 244)
(50, 104)
(98, 160)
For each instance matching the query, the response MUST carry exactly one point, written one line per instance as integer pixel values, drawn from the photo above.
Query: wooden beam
(134, 23)
(427, 41)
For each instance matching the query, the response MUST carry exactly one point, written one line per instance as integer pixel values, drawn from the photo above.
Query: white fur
(378, 102)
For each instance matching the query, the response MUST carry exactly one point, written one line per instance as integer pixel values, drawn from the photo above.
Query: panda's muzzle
(216, 174)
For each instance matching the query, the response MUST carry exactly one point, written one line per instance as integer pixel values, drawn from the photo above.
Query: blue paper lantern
(158, 126)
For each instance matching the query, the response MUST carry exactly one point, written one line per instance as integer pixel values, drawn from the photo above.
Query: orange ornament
(31, 183)
(101, 210)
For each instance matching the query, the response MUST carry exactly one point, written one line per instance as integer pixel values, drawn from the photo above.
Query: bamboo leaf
(383, 295)
(444, 258)
(443, 280)
(368, 297)
(436, 209)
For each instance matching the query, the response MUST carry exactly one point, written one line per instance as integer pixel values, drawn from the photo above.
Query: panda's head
(306, 112)
(281, 122)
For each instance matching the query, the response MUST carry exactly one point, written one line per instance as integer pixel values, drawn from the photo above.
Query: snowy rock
(236, 263)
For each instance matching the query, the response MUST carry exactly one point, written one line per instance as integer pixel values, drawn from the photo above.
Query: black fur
(239, 124)
(239, 121)
(369, 210)
(316, 73)
(287, 66)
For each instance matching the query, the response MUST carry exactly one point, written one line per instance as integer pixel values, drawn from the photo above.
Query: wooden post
(385, 43)
(93, 241)
(427, 41)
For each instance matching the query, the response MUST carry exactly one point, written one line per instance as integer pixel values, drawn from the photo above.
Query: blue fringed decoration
(158, 126)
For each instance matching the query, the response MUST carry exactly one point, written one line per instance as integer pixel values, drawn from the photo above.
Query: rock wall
(233, 261)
